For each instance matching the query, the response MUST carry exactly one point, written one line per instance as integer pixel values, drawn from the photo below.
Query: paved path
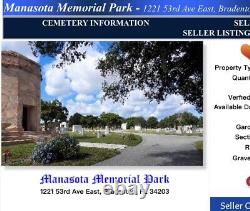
(102, 145)
(159, 150)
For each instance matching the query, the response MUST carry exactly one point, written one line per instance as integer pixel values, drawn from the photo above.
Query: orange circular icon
(245, 50)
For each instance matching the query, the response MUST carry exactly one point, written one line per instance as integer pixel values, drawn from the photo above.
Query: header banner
(128, 28)
(126, 8)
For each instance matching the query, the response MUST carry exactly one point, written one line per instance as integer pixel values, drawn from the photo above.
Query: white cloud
(83, 108)
(80, 77)
(84, 98)
(21, 47)
(173, 104)
(139, 106)
(57, 84)
(84, 80)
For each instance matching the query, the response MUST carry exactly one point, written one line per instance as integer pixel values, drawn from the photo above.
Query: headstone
(63, 130)
(124, 126)
(158, 130)
(98, 133)
(106, 132)
(194, 129)
(187, 128)
(137, 127)
(63, 127)
(179, 130)
(77, 129)
(64, 124)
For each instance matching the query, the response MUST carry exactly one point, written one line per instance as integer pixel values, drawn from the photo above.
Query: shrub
(57, 148)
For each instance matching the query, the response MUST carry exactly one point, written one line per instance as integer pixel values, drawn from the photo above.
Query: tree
(162, 124)
(157, 68)
(90, 121)
(140, 121)
(132, 121)
(187, 118)
(75, 119)
(152, 122)
(68, 51)
(179, 119)
(111, 119)
(172, 121)
(52, 113)
(200, 122)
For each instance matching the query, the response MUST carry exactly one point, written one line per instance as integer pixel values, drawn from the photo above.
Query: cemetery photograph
(102, 103)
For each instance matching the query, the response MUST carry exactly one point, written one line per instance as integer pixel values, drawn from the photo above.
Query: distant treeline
(52, 113)
(114, 121)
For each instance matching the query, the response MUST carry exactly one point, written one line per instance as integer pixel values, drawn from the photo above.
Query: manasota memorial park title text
(112, 7)
(67, 8)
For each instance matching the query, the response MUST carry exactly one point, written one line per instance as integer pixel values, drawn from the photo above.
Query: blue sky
(43, 61)
(78, 86)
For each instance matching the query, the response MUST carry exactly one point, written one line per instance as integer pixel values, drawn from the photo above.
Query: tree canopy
(180, 119)
(152, 122)
(68, 51)
(200, 122)
(75, 119)
(133, 121)
(157, 68)
(52, 113)
(111, 119)
(90, 121)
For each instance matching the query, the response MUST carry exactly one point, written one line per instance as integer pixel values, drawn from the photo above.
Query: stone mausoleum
(21, 104)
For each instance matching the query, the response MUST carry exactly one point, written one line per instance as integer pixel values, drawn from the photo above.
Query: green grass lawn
(112, 138)
(21, 153)
(199, 145)
(21, 156)
(87, 135)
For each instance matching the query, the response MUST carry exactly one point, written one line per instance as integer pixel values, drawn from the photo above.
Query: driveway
(159, 150)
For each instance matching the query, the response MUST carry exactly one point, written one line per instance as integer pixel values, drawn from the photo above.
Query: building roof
(14, 59)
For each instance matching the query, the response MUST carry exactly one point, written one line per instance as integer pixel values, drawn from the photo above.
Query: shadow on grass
(21, 156)
(81, 156)
(180, 158)
(71, 161)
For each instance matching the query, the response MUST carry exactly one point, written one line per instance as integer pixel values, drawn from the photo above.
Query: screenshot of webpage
(117, 105)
